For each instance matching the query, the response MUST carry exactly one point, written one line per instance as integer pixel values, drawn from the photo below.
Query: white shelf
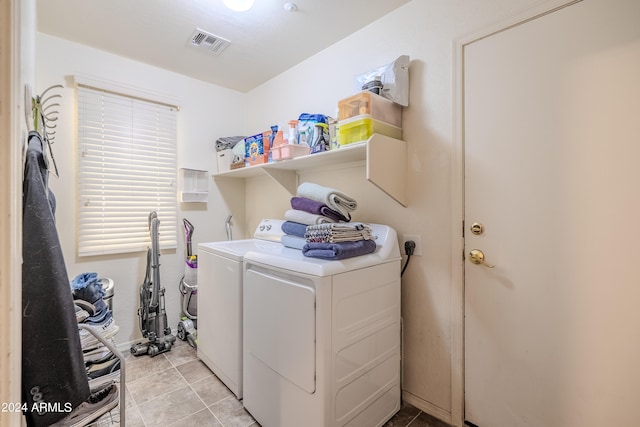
(194, 186)
(385, 165)
(194, 196)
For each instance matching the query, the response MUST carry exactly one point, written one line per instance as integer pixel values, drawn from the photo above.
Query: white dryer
(322, 338)
(220, 272)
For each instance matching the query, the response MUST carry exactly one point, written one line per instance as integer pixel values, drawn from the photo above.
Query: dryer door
(280, 326)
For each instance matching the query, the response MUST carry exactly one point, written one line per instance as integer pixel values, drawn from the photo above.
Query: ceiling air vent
(212, 43)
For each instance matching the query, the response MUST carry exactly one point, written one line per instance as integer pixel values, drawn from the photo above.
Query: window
(126, 169)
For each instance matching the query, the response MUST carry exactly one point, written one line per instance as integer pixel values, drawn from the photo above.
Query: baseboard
(427, 407)
(125, 347)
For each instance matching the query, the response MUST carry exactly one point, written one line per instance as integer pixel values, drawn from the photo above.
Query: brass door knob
(476, 256)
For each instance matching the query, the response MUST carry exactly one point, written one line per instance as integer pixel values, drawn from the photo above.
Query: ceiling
(265, 41)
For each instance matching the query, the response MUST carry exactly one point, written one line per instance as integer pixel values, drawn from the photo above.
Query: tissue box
(225, 158)
(238, 165)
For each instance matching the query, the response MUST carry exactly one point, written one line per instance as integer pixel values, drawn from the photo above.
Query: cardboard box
(257, 148)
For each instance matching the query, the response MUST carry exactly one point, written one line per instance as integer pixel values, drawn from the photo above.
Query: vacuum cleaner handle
(188, 232)
(154, 224)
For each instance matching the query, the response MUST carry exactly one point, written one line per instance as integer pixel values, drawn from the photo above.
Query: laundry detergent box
(257, 148)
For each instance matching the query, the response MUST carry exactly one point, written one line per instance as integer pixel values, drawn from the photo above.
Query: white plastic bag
(394, 78)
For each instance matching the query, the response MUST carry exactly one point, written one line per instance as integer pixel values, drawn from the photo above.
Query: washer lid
(387, 250)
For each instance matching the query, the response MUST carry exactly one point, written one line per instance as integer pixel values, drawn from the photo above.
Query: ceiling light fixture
(290, 7)
(238, 5)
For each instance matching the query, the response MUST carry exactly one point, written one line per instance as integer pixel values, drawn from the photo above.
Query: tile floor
(177, 389)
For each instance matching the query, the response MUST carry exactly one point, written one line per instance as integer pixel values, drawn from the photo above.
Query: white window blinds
(126, 169)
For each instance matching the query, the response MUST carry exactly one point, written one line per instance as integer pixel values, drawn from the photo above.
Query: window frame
(116, 127)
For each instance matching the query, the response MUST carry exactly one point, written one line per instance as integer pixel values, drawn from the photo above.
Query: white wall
(206, 113)
(425, 30)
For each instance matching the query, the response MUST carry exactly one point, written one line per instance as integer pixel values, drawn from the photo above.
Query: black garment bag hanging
(54, 379)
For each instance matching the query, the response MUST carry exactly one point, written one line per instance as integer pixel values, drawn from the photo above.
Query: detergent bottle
(294, 136)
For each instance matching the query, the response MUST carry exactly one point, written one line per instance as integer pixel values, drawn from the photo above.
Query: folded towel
(334, 199)
(338, 232)
(294, 228)
(294, 242)
(318, 208)
(341, 227)
(303, 217)
(336, 251)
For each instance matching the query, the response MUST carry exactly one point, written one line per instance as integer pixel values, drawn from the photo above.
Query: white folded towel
(305, 218)
(334, 199)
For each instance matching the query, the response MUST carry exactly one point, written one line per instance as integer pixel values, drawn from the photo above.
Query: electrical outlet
(416, 239)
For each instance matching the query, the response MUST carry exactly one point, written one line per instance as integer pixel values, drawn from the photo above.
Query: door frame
(11, 130)
(537, 10)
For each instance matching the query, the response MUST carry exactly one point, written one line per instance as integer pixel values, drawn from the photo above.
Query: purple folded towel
(342, 250)
(294, 228)
(317, 208)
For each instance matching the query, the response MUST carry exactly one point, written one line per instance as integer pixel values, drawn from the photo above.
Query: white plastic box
(225, 157)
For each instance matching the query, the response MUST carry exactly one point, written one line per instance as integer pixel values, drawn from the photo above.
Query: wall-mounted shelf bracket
(286, 178)
(386, 166)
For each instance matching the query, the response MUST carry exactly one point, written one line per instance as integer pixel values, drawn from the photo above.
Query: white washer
(220, 300)
(322, 338)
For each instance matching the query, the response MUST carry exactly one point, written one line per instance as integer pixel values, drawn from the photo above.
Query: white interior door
(552, 172)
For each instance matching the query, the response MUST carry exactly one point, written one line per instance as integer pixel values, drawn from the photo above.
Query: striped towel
(338, 232)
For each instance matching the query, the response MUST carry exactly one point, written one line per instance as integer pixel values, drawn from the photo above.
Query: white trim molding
(123, 89)
(457, 190)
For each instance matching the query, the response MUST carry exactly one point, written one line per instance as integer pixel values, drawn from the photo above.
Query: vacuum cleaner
(152, 312)
(187, 327)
